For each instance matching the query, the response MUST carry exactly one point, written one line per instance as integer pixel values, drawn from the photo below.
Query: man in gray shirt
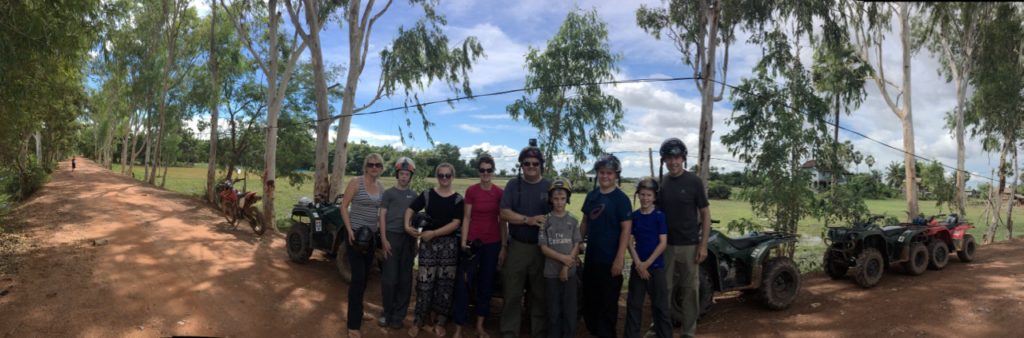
(399, 247)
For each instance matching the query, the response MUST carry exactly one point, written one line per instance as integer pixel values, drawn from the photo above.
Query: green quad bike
(317, 226)
(866, 250)
(754, 263)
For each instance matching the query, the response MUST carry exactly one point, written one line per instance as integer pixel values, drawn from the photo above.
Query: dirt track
(170, 269)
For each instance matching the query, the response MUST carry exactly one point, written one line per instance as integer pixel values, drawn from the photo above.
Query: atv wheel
(939, 253)
(918, 261)
(297, 243)
(835, 264)
(781, 283)
(706, 293)
(341, 261)
(869, 268)
(967, 253)
(255, 220)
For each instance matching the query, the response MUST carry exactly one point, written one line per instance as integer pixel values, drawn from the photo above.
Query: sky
(653, 111)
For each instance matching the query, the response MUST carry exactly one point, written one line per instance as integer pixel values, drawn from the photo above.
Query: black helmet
(561, 183)
(608, 161)
(672, 147)
(648, 183)
(531, 151)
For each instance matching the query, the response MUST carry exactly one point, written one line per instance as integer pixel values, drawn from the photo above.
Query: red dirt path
(170, 268)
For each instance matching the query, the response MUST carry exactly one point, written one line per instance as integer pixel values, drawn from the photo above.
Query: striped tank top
(363, 212)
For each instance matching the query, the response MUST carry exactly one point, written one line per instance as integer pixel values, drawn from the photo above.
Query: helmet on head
(404, 163)
(648, 183)
(672, 147)
(563, 184)
(531, 152)
(608, 161)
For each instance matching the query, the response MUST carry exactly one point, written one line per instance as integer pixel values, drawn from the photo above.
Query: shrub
(719, 191)
(21, 187)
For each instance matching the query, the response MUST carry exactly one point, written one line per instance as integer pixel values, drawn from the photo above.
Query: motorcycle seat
(745, 242)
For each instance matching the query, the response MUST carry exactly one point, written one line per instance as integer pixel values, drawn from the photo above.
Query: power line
(836, 124)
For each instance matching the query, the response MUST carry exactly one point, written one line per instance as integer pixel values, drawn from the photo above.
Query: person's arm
(705, 226)
(382, 218)
(620, 254)
(465, 225)
(551, 253)
(662, 244)
(346, 201)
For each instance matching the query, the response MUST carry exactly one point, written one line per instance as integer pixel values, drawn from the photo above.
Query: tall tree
(249, 18)
(870, 22)
(579, 116)
(211, 164)
(952, 30)
(316, 13)
(174, 24)
(995, 110)
(698, 28)
(416, 57)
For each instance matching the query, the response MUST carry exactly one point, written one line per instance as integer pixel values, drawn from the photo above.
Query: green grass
(192, 181)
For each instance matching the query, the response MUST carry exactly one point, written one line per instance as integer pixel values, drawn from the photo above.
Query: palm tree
(894, 175)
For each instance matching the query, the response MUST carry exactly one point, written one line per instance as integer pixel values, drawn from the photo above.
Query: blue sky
(653, 111)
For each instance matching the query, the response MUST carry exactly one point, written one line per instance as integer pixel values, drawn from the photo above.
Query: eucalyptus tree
(698, 28)
(868, 24)
(995, 111)
(952, 31)
(415, 58)
(258, 25)
(570, 108)
(178, 22)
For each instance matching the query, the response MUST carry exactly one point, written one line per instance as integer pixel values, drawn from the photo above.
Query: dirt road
(169, 268)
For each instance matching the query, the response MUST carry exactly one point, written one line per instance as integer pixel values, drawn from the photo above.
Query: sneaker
(395, 325)
(382, 321)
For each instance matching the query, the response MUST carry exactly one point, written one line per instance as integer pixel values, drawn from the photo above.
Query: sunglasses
(488, 170)
(530, 164)
(374, 165)
(444, 176)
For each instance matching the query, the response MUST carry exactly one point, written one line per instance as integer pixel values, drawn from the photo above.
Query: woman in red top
(479, 264)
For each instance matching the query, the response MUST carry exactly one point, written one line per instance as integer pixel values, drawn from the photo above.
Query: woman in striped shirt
(363, 195)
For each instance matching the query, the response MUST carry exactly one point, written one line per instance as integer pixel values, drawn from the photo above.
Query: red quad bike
(946, 235)
(235, 205)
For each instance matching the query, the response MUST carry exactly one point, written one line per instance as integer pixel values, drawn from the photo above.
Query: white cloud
(357, 133)
(505, 157)
(490, 116)
(471, 129)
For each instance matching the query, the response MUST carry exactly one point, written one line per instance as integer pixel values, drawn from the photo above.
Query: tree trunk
(1012, 200)
(211, 163)
(321, 180)
(994, 203)
(126, 140)
(355, 42)
(149, 146)
(907, 116)
(163, 179)
(273, 108)
(39, 147)
(961, 192)
(708, 98)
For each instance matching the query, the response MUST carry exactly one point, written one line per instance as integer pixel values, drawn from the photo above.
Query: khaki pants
(524, 262)
(684, 259)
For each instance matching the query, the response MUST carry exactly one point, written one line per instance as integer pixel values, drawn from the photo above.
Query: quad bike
(754, 263)
(318, 226)
(867, 249)
(235, 205)
(946, 235)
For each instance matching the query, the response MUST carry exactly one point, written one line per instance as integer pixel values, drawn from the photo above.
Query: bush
(719, 191)
(21, 188)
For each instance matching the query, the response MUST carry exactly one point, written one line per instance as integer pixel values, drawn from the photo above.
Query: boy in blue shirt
(650, 237)
(606, 224)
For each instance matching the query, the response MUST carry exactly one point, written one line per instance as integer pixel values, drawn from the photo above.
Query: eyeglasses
(374, 165)
(530, 164)
(444, 176)
(488, 170)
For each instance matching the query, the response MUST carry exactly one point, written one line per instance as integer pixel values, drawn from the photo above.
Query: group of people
(524, 235)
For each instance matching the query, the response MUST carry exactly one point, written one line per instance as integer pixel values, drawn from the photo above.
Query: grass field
(192, 180)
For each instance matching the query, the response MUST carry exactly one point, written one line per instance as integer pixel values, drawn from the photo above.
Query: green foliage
(21, 185)
(577, 117)
(719, 191)
(843, 205)
(936, 186)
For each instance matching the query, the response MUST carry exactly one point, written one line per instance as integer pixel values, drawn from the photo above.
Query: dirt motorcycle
(236, 205)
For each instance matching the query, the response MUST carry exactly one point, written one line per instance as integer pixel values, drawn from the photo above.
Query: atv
(318, 226)
(753, 263)
(867, 249)
(946, 235)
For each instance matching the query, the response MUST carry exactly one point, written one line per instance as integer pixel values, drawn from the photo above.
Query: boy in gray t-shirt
(399, 247)
(559, 240)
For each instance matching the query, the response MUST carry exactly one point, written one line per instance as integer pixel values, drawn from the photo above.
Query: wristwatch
(525, 219)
